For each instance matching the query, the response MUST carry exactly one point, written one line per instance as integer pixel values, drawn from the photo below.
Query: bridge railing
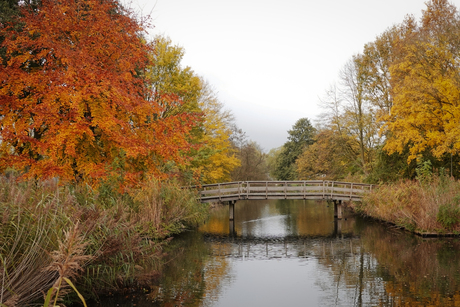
(222, 191)
(311, 189)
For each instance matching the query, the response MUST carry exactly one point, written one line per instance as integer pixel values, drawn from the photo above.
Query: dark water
(293, 253)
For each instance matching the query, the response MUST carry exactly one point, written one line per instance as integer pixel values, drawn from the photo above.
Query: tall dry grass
(424, 206)
(48, 232)
(27, 231)
(67, 263)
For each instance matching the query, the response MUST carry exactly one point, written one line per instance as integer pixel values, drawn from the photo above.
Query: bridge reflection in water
(277, 218)
(290, 247)
(337, 228)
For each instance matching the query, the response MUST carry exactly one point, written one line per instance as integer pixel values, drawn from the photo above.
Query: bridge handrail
(216, 184)
(278, 182)
(279, 189)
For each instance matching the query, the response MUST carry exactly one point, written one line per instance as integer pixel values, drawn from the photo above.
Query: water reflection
(293, 253)
(277, 218)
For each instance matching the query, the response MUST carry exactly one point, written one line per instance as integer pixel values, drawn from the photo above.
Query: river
(293, 253)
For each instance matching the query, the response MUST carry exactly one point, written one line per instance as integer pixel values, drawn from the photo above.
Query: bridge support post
(231, 210)
(338, 209)
(337, 227)
(231, 228)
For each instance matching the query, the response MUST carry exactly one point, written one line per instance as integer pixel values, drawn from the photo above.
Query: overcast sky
(271, 60)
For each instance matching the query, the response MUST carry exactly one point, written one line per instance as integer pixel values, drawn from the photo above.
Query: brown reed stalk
(22, 259)
(67, 261)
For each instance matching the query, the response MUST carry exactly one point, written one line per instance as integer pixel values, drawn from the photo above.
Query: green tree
(272, 156)
(300, 136)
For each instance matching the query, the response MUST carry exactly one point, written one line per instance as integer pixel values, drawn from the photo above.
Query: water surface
(293, 253)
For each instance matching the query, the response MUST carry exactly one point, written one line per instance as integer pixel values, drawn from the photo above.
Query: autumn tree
(426, 108)
(217, 158)
(358, 114)
(167, 76)
(348, 125)
(398, 99)
(253, 163)
(300, 136)
(74, 100)
(376, 61)
(177, 89)
(214, 160)
(336, 120)
(327, 158)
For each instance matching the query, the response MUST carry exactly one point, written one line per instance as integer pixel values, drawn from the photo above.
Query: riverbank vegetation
(109, 240)
(428, 206)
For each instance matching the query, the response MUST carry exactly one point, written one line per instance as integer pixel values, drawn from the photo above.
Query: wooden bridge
(335, 191)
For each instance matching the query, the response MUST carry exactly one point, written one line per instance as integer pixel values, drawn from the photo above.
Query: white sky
(271, 60)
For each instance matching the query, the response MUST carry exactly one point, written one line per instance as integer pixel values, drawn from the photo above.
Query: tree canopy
(426, 109)
(75, 101)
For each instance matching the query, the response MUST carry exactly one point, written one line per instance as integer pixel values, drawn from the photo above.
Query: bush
(449, 214)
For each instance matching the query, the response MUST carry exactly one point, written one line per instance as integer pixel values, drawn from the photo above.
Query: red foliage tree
(73, 96)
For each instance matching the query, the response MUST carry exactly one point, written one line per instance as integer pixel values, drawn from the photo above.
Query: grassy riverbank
(102, 240)
(428, 206)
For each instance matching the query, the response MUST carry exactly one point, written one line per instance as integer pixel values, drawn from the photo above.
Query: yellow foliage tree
(215, 159)
(219, 157)
(327, 158)
(426, 106)
(167, 76)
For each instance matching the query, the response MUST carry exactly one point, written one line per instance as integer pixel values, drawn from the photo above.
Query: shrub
(424, 171)
(449, 214)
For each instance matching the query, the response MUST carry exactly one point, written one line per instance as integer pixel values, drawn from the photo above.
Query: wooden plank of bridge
(332, 189)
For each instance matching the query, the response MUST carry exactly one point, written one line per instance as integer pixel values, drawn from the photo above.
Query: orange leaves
(72, 101)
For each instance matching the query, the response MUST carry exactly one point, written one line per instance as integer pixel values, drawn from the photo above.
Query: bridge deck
(312, 189)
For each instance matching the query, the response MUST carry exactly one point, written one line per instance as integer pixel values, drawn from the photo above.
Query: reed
(425, 206)
(67, 262)
(25, 236)
(101, 240)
